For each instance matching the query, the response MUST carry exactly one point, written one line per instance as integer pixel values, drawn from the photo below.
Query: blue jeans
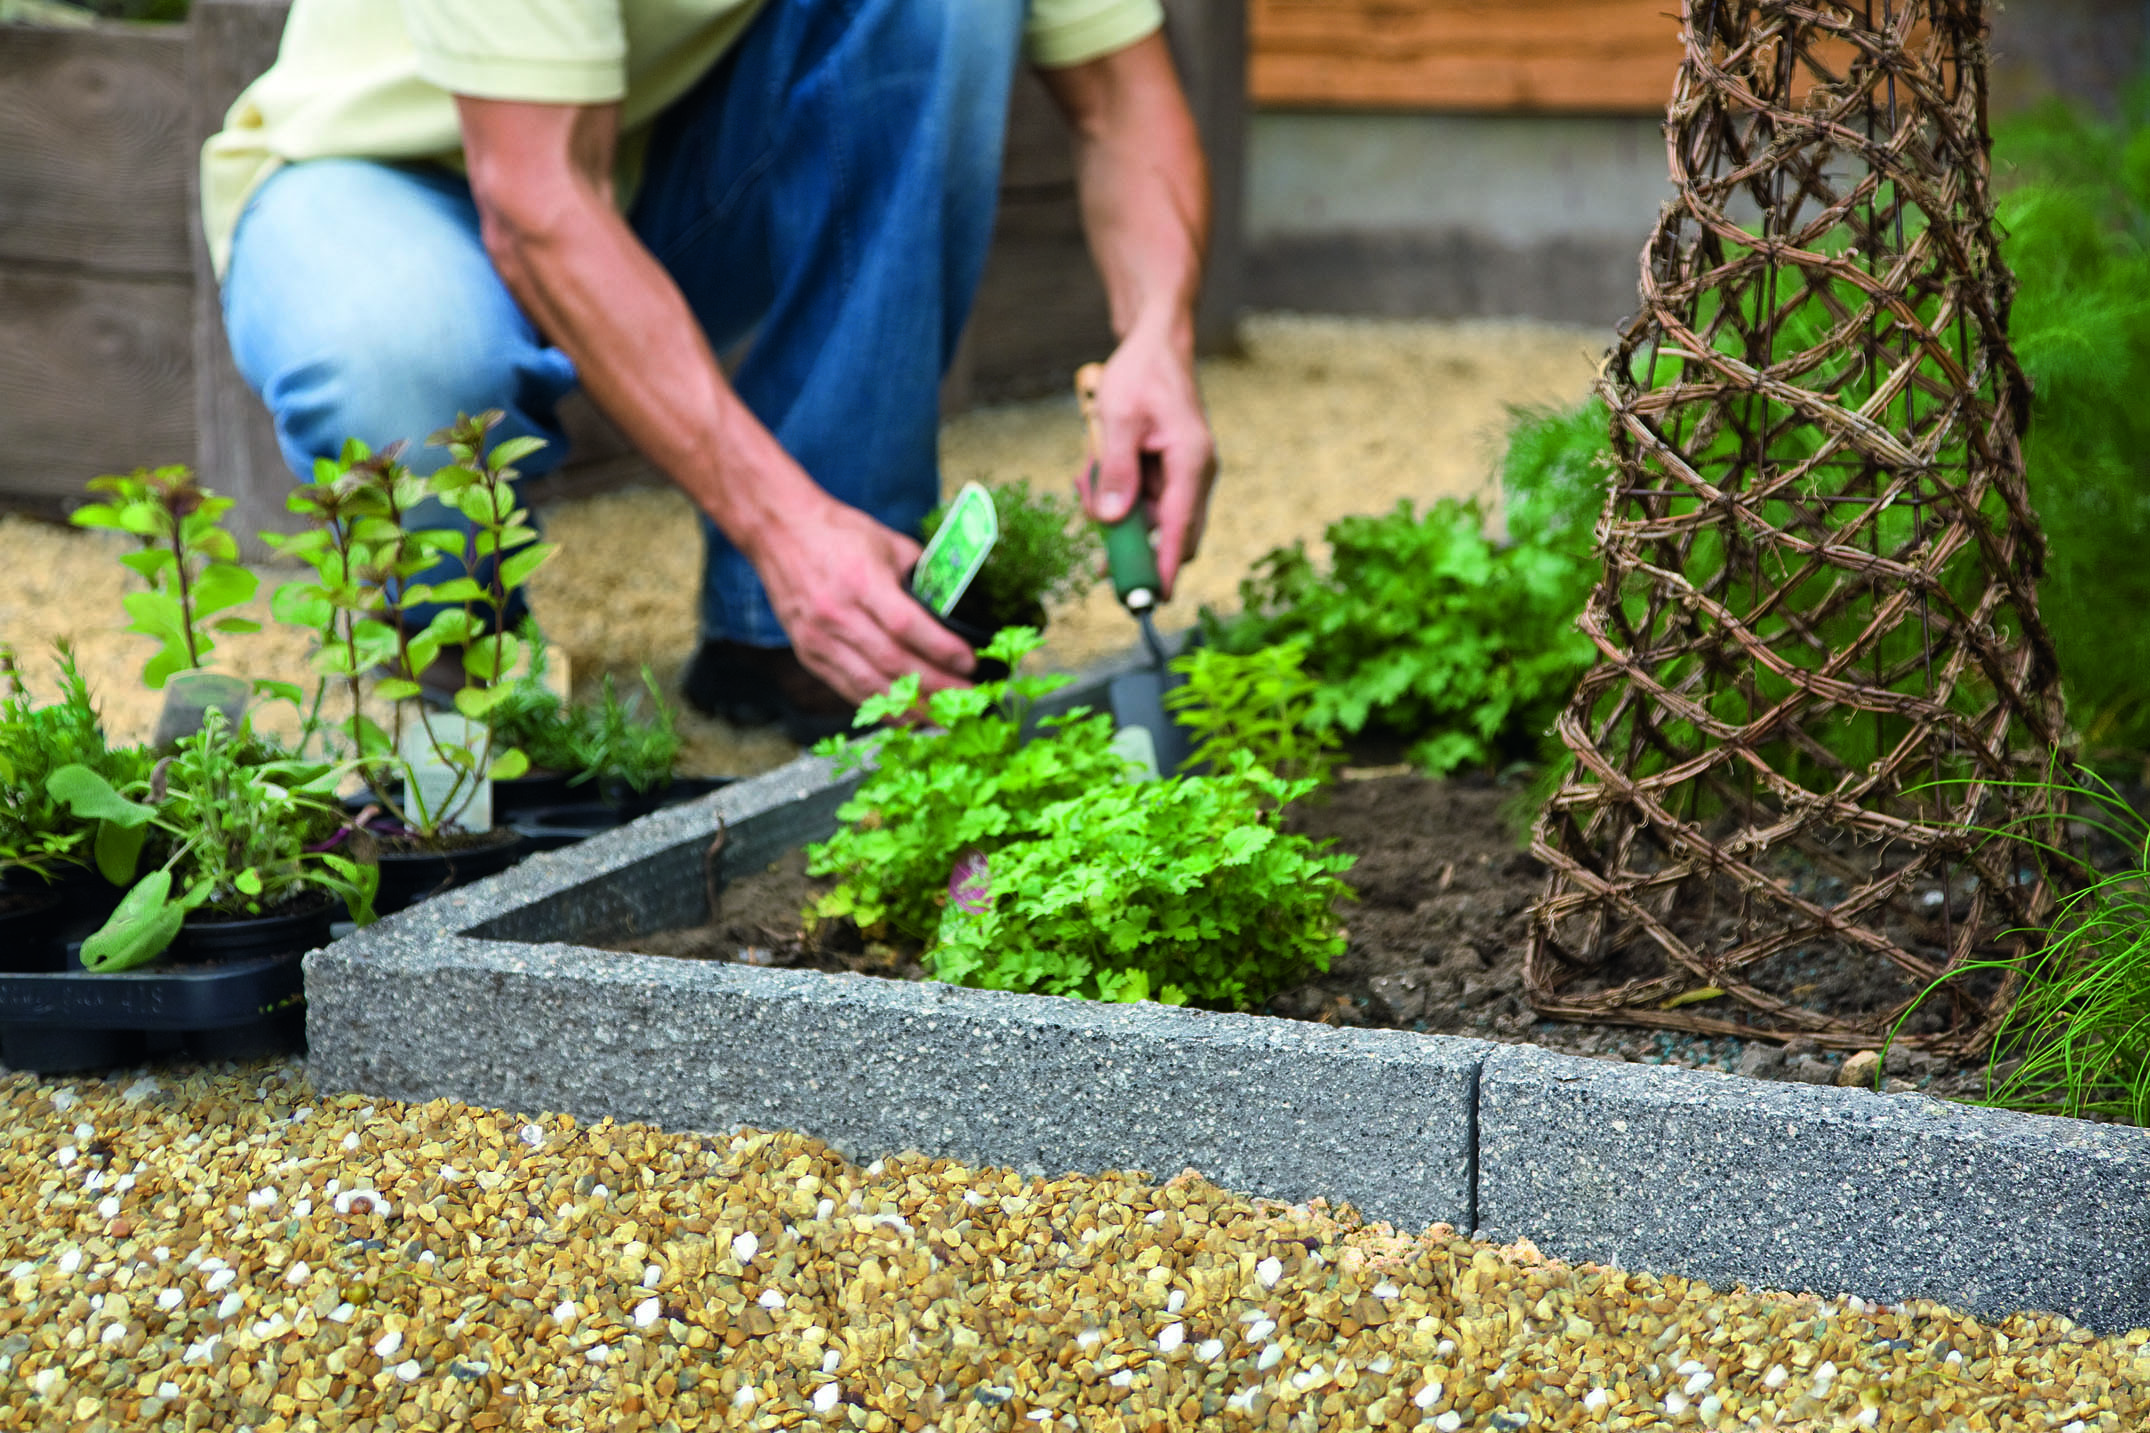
(827, 188)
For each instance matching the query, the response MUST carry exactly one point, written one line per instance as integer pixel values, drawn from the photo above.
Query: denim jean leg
(830, 188)
(361, 303)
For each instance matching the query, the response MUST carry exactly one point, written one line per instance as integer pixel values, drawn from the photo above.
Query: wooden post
(95, 367)
(233, 42)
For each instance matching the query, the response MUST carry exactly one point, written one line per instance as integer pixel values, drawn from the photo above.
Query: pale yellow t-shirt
(374, 79)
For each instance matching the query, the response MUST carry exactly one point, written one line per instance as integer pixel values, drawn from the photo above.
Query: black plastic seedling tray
(57, 1020)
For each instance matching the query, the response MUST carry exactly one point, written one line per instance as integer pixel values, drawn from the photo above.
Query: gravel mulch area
(229, 1249)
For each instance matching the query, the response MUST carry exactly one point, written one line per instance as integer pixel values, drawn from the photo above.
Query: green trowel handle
(1132, 562)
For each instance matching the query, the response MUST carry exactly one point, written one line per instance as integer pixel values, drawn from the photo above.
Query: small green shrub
(1424, 627)
(188, 559)
(611, 743)
(37, 832)
(1040, 865)
(235, 830)
(627, 748)
(1260, 703)
(1046, 553)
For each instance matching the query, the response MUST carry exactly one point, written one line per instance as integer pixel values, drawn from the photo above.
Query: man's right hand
(837, 579)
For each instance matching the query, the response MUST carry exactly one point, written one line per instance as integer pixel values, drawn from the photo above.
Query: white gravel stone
(219, 1280)
(389, 1345)
(1269, 1271)
(1271, 1357)
(1173, 1336)
(298, 1274)
(1449, 1422)
(1208, 1349)
(408, 1370)
(1429, 1395)
(564, 1312)
(1597, 1400)
(825, 1397)
(744, 1247)
(646, 1313)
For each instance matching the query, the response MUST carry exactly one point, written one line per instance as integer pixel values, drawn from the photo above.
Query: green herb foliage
(1425, 627)
(612, 743)
(968, 783)
(189, 561)
(1041, 865)
(235, 831)
(37, 831)
(1261, 703)
(635, 751)
(1184, 891)
(1046, 553)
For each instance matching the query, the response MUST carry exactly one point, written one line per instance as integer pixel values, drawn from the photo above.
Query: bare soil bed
(1436, 939)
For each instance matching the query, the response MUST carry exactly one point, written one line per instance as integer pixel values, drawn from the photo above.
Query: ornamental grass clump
(1046, 865)
(2077, 1040)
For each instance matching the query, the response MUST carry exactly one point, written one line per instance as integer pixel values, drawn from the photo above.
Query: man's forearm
(1144, 187)
(592, 288)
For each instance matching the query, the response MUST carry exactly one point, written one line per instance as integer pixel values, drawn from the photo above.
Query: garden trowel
(1147, 733)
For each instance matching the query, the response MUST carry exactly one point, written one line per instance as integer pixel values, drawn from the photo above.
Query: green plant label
(957, 551)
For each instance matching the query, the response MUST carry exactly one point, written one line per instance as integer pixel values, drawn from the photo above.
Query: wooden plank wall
(1546, 56)
(96, 366)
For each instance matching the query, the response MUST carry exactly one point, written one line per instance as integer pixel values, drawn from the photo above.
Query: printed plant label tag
(957, 551)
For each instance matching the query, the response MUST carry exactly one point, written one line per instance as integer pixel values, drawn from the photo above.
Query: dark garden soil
(1436, 940)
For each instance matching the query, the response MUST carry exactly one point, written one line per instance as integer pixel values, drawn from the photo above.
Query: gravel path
(230, 1250)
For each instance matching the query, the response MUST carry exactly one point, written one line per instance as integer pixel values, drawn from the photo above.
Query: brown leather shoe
(763, 686)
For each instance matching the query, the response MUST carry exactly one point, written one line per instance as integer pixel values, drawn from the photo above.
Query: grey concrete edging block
(1804, 1188)
(481, 996)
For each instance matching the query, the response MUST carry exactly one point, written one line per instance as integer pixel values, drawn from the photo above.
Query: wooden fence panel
(1602, 56)
(93, 148)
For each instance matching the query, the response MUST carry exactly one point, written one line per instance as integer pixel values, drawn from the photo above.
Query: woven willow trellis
(1821, 667)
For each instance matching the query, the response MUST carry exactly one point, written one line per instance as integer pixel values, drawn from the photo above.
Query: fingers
(1189, 467)
(1116, 484)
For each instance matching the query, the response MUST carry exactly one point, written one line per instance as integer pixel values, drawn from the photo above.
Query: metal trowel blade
(1138, 705)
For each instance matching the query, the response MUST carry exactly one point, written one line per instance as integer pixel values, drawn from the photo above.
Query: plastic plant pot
(29, 922)
(87, 899)
(978, 623)
(534, 791)
(228, 989)
(410, 873)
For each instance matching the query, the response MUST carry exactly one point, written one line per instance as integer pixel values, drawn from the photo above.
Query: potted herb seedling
(1045, 555)
(603, 763)
(244, 881)
(63, 873)
(530, 716)
(192, 567)
(429, 773)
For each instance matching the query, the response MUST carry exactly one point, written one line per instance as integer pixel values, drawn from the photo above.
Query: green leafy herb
(1424, 627)
(237, 825)
(1042, 865)
(1261, 703)
(38, 833)
(189, 561)
(362, 597)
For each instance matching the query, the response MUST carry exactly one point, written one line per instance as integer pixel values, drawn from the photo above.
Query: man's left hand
(1154, 447)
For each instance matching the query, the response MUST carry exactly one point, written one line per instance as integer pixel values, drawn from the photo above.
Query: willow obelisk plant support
(1821, 673)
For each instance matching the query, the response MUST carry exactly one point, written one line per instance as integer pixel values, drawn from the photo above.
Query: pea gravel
(231, 1250)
